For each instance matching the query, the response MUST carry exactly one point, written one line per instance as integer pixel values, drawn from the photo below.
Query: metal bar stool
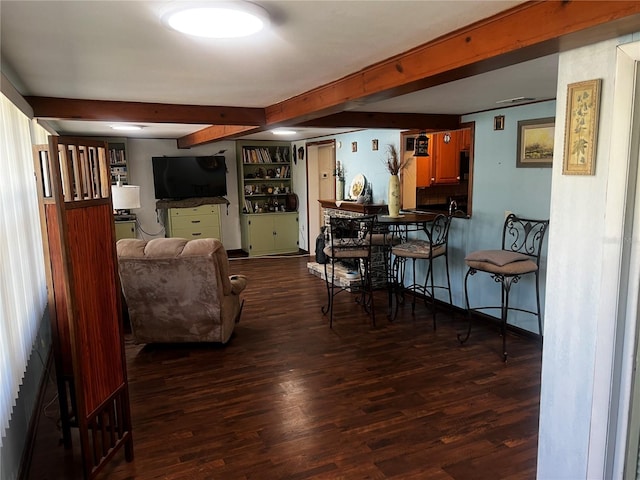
(350, 241)
(520, 255)
(385, 238)
(436, 246)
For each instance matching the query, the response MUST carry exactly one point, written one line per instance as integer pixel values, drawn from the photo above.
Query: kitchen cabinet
(446, 157)
(442, 166)
(465, 139)
(424, 166)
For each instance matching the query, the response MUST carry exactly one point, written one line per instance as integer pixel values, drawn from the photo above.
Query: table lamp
(124, 198)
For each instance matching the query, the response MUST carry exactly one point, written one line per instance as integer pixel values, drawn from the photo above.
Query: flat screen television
(189, 177)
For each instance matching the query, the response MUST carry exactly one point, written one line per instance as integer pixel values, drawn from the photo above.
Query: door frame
(312, 180)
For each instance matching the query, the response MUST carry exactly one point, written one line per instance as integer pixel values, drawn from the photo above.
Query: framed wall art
(581, 127)
(535, 142)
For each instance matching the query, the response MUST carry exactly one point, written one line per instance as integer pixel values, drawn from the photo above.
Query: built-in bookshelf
(265, 177)
(268, 205)
(118, 161)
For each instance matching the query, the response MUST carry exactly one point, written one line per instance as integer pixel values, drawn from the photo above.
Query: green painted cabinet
(126, 229)
(269, 233)
(194, 222)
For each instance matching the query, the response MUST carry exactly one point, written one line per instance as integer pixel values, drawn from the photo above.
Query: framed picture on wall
(581, 128)
(410, 144)
(535, 142)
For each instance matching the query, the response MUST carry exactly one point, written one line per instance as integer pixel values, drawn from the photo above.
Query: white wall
(575, 396)
(140, 152)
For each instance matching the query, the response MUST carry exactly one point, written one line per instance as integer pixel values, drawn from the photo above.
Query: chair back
(524, 235)
(177, 290)
(351, 233)
(438, 232)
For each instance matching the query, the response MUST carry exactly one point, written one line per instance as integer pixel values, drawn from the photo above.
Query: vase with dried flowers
(339, 174)
(394, 166)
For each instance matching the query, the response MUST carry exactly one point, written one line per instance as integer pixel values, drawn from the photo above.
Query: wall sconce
(354, 147)
(374, 144)
(421, 146)
(498, 122)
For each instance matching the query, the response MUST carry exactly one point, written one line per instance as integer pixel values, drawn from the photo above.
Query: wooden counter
(351, 206)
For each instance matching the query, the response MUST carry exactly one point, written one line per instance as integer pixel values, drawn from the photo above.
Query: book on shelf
(116, 156)
(259, 155)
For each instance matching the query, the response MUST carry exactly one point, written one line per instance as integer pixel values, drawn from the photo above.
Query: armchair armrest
(238, 283)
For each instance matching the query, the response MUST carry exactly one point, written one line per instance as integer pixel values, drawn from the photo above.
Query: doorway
(321, 163)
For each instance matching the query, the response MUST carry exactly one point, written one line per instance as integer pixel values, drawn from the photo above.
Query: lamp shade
(125, 197)
(421, 146)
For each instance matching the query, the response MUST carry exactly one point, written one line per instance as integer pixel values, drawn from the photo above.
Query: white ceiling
(120, 50)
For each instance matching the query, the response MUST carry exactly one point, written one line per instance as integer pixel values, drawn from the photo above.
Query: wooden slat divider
(65, 173)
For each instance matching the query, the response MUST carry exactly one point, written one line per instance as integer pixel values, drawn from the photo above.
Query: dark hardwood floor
(289, 398)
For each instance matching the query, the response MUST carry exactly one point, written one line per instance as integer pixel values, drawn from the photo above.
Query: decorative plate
(357, 186)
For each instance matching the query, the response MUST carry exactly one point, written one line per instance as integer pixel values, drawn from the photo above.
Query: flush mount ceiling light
(127, 128)
(516, 100)
(283, 131)
(217, 19)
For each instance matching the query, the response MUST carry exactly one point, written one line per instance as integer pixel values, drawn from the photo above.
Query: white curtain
(23, 294)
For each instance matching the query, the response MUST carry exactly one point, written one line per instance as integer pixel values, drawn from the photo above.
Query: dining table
(395, 229)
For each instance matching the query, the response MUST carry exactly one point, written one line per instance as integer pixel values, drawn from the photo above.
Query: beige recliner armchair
(179, 290)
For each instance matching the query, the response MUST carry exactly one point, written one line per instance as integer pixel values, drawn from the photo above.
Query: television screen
(189, 177)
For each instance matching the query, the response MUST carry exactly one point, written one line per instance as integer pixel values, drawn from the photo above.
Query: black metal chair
(520, 255)
(436, 246)
(350, 244)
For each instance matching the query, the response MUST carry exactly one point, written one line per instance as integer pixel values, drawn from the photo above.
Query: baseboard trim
(483, 317)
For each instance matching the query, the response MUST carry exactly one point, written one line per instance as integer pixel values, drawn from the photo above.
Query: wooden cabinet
(446, 165)
(442, 166)
(465, 143)
(269, 233)
(194, 222)
(126, 229)
(424, 166)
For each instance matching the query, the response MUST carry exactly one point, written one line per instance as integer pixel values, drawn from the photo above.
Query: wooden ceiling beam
(132, 112)
(525, 32)
(215, 133)
(385, 120)
(408, 121)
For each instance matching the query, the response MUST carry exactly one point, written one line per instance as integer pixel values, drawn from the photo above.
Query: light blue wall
(497, 186)
(367, 161)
